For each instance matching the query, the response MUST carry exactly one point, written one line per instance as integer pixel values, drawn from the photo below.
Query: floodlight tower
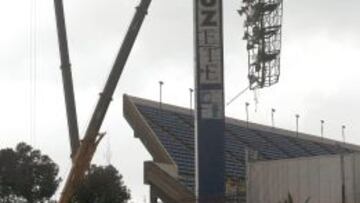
(263, 34)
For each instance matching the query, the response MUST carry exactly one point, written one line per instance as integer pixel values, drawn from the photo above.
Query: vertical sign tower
(210, 124)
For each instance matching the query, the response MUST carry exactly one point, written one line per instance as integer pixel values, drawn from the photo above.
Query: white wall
(318, 178)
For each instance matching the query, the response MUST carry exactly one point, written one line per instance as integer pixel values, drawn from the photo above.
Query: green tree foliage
(102, 185)
(27, 174)
(290, 199)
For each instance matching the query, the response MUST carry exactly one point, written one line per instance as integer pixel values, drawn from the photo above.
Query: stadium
(198, 154)
(167, 132)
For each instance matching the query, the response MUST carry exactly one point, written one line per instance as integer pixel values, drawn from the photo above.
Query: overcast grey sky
(319, 80)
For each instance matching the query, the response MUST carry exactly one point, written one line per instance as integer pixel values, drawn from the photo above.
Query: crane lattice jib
(263, 34)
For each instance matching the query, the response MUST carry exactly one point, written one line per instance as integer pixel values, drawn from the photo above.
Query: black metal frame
(263, 35)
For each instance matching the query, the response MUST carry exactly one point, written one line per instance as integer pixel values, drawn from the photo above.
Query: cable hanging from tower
(237, 96)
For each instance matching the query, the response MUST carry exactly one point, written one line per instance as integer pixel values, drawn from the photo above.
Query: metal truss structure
(263, 35)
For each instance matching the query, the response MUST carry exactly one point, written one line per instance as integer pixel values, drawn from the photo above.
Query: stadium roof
(168, 134)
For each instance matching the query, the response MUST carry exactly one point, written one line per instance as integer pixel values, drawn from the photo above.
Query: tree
(290, 199)
(102, 185)
(27, 174)
(7, 183)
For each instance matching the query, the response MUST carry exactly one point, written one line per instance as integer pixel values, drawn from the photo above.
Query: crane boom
(67, 78)
(92, 138)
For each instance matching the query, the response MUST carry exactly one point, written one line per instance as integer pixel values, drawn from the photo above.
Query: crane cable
(256, 97)
(238, 95)
(108, 153)
(33, 70)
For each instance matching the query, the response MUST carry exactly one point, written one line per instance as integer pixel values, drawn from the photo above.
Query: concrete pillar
(153, 196)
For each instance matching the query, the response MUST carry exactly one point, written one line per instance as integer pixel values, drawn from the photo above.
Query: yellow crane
(82, 152)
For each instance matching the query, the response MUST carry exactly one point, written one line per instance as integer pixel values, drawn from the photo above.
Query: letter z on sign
(209, 41)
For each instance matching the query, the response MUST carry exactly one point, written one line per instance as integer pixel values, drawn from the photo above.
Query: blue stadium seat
(176, 133)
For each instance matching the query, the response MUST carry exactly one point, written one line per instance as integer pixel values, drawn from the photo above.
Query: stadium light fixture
(263, 34)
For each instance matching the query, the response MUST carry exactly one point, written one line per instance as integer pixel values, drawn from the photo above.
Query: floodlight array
(263, 34)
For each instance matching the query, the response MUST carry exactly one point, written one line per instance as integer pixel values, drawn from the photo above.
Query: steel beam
(67, 77)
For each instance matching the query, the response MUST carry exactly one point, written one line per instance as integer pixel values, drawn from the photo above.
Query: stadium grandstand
(167, 132)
